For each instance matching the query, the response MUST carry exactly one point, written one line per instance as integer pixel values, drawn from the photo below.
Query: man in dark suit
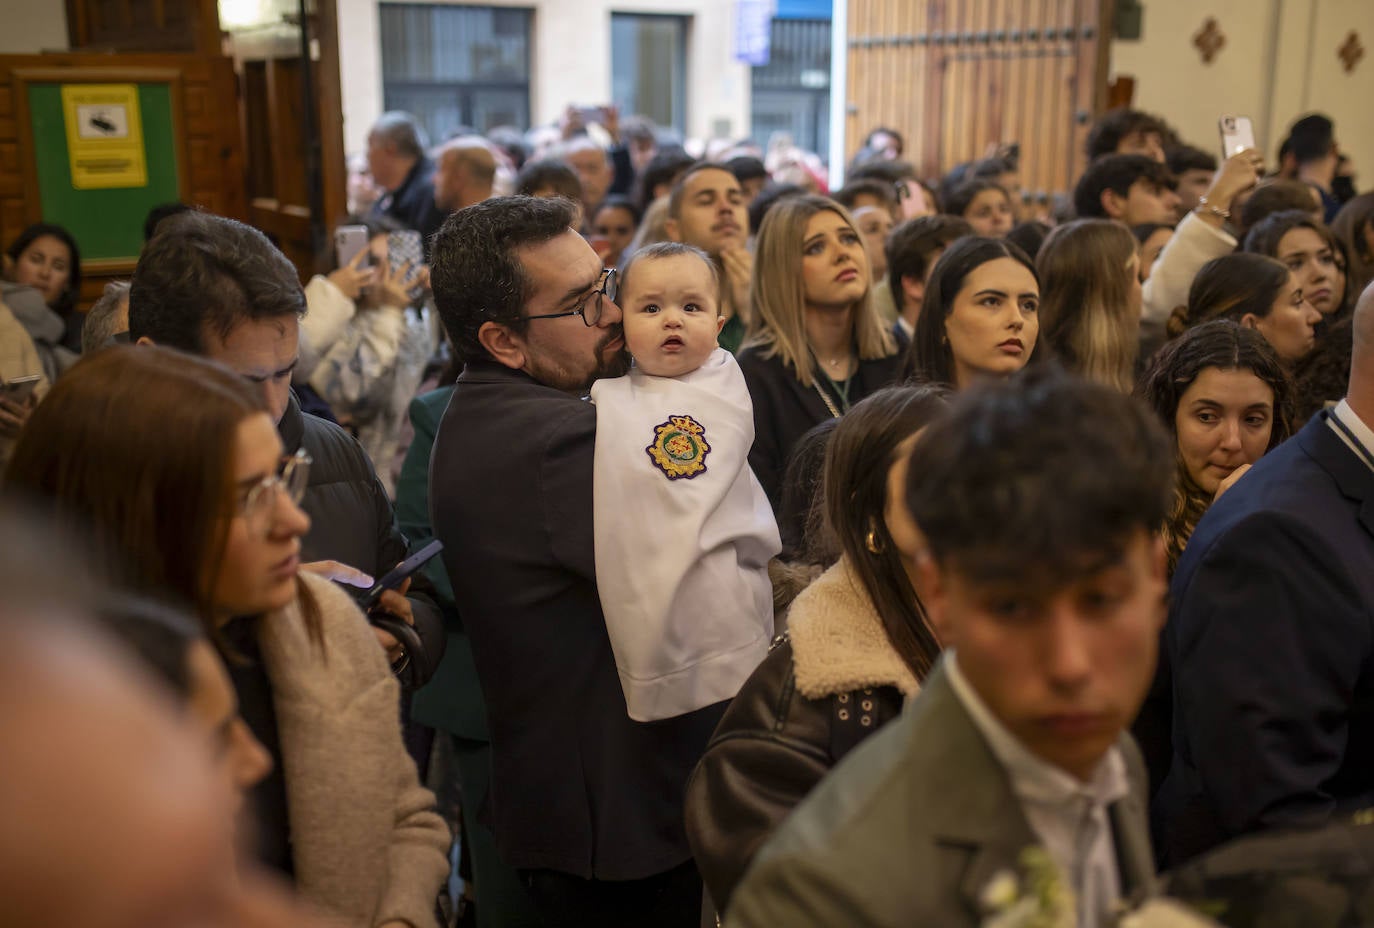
(586, 803)
(1271, 636)
(1040, 501)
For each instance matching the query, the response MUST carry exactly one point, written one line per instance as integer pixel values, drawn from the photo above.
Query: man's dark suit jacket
(576, 785)
(1271, 638)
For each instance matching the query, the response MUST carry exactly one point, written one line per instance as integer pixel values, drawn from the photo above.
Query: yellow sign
(104, 136)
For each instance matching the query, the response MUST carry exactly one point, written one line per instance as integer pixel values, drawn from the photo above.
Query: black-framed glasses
(589, 307)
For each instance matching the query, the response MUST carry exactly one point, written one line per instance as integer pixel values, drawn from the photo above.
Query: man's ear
(503, 345)
(1113, 204)
(934, 587)
(672, 230)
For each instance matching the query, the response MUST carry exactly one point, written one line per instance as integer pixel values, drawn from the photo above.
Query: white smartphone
(1237, 134)
(19, 389)
(348, 241)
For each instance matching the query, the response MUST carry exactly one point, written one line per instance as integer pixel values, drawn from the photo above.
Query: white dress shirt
(1357, 436)
(1068, 816)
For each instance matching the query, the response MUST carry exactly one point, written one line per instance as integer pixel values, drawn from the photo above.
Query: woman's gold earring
(871, 542)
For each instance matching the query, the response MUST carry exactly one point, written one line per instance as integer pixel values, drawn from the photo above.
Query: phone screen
(19, 389)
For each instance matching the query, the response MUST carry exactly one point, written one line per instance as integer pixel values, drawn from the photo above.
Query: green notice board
(107, 223)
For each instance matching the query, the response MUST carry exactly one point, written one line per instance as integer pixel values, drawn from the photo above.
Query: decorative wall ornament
(1351, 51)
(1209, 39)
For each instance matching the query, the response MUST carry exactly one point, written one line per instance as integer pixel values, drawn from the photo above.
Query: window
(457, 65)
(649, 67)
(792, 92)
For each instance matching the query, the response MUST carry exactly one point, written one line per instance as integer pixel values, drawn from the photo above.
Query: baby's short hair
(661, 250)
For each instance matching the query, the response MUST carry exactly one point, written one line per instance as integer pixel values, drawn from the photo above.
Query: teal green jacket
(452, 700)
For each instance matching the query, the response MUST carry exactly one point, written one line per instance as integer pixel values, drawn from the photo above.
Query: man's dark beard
(619, 364)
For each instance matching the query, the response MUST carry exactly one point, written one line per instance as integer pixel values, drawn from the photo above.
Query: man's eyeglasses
(257, 503)
(589, 307)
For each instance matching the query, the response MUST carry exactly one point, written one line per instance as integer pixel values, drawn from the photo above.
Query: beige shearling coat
(367, 845)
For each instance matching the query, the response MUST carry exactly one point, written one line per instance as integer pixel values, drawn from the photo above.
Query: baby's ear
(720, 321)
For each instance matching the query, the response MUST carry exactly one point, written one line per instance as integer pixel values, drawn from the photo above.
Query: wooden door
(959, 77)
(293, 132)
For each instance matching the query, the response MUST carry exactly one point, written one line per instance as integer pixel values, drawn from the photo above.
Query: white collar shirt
(1352, 430)
(1068, 816)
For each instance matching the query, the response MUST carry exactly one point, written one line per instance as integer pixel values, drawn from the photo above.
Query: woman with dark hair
(1221, 392)
(1090, 311)
(984, 204)
(980, 316)
(1152, 236)
(172, 467)
(857, 647)
(1312, 252)
(1258, 293)
(1354, 227)
(43, 267)
(616, 221)
(816, 345)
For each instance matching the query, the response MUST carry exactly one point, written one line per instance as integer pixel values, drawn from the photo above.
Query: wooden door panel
(959, 77)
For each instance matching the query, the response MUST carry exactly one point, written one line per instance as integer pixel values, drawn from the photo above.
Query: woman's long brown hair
(861, 452)
(132, 450)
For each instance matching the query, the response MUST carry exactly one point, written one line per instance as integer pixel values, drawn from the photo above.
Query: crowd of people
(914, 552)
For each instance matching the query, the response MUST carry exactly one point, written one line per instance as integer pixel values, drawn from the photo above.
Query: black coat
(351, 518)
(412, 204)
(784, 410)
(1271, 641)
(576, 786)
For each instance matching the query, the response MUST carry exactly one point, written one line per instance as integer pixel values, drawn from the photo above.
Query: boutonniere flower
(1162, 912)
(1037, 898)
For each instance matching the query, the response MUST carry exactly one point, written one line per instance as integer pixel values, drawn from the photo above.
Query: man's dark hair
(1115, 125)
(680, 185)
(1030, 236)
(746, 167)
(850, 192)
(206, 273)
(1277, 196)
(884, 130)
(1182, 158)
(910, 245)
(474, 272)
(891, 172)
(663, 168)
(1115, 173)
(770, 196)
(1043, 478)
(159, 213)
(552, 173)
(958, 200)
(1311, 138)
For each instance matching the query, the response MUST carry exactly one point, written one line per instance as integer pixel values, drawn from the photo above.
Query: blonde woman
(1090, 297)
(816, 344)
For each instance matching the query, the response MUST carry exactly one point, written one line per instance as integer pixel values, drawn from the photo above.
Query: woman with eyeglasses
(1259, 293)
(172, 468)
(816, 345)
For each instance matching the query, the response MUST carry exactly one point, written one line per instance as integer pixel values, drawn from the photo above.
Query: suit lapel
(1352, 475)
(980, 823)
(1130, 834)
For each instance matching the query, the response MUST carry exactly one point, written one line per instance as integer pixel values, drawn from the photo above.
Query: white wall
(32, 26)
(1279, 63)
(571, 60)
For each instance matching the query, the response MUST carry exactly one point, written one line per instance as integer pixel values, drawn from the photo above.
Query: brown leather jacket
(825, 687)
